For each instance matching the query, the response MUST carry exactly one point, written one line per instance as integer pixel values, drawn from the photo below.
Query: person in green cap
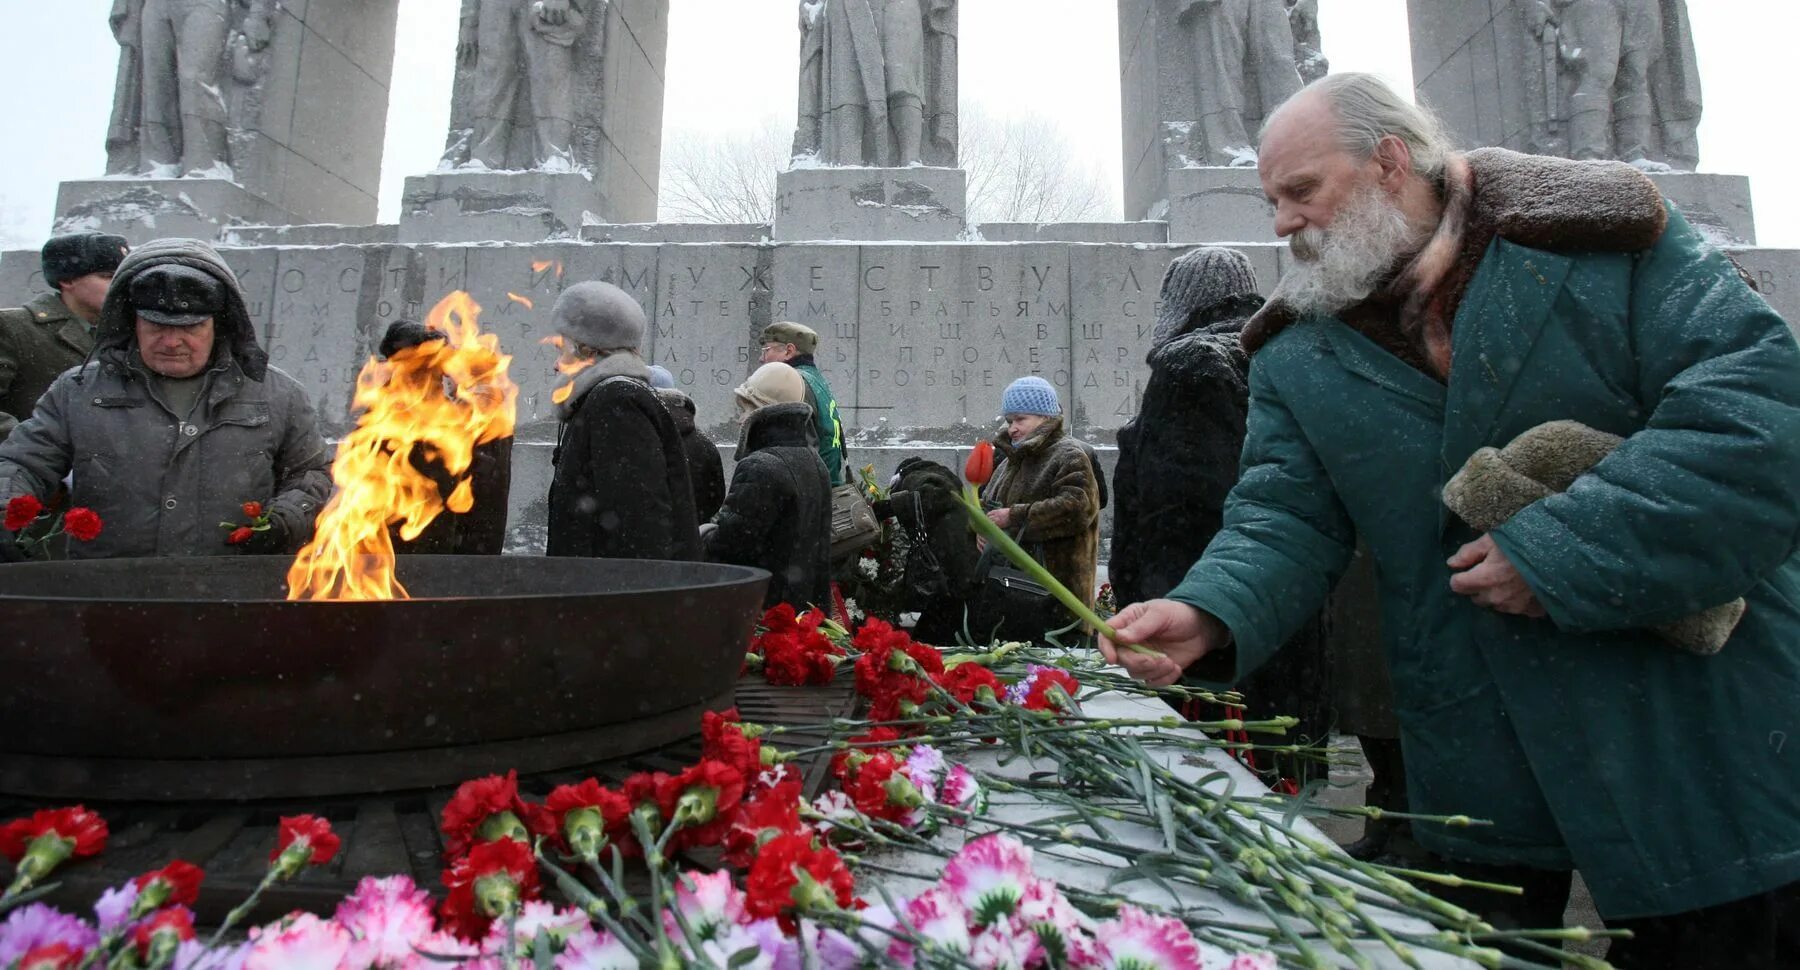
(793, 344)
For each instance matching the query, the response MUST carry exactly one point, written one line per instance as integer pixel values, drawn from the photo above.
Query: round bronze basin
(193, 679)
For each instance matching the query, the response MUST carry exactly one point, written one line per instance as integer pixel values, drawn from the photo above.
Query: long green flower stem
(1258, 870)
(244, 908)
(1037, 572)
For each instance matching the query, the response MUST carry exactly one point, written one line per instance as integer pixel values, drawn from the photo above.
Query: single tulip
(980, 466)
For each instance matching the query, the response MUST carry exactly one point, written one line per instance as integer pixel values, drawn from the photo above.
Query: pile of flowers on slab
(744, 871)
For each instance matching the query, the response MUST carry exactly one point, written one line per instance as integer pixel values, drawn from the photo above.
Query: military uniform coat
(1668, 779)
(37, 343)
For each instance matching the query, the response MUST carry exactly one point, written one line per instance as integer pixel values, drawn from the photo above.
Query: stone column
(305, 91)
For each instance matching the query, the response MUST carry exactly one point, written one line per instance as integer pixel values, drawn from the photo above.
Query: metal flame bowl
(193, 679)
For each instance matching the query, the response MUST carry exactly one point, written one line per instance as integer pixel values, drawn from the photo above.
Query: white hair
(1368, 110)
(1341, 266)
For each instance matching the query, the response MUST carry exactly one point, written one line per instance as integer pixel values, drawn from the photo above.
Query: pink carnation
(388, 918)
(989, 877)
(710, 904)
(300, 942)
(941, 921)
(593, 950)
(1140, 941)
(1063, 931)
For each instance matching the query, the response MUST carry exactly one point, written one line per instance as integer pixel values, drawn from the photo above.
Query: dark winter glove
(272, 541)
(10, 551)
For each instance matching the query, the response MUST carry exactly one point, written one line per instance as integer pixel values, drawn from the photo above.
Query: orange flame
(567, 366)
(543, 264)
(440, 399)
(523, 301)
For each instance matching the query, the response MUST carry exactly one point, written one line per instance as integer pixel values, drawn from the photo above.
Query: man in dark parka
(621, 487)
(1443, 303)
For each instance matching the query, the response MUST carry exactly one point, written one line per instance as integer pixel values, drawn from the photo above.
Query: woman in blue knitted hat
(1046, 493)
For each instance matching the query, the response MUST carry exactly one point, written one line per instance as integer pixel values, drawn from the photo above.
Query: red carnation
(704, 799)
(583, 816)
(177, 883)
(240, 535)
(780, 618)
(83, 832)
(770, 813)
(476, 803)
(253, 510)
(51, 956)
(301, 840)
(861, 746)
(792, 875)
(966, 681)
(22, 511)
(158, 937)
(493, 878)
(722, 738)
(867, 786)
(1039, 698)
(799, 659)
(82, 525)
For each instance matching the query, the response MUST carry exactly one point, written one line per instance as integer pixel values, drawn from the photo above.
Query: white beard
(1338, 267)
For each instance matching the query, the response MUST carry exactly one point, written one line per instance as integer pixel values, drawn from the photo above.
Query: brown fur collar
(1536, 201)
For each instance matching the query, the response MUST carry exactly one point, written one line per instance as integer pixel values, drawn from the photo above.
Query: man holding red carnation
(175, 423)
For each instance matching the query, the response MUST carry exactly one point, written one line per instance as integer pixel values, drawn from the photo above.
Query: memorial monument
(923, 321)
(1612, 79)
(1199, 77)
(240, 111)
(555, 120)
(877, 131)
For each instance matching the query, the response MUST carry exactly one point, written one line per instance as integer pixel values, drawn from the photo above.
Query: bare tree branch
(1021, 168)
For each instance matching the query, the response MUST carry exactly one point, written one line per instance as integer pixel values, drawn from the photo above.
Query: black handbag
(1009, 604)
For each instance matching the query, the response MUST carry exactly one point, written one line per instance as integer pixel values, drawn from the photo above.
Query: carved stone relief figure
(528, 84)
(180, 62)
(878, 82)
(1614, 79)
(1245, 68)
(1309, 46)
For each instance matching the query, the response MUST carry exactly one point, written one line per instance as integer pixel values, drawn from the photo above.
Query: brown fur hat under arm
(1495, 483)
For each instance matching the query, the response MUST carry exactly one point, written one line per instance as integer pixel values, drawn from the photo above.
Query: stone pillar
(306, 118)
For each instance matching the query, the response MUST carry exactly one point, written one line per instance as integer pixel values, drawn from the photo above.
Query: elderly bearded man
(1442, 303)
(175, 422)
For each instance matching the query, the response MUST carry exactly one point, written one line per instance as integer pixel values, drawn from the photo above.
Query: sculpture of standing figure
(1607, 47)
(1675, 89)
(1309, 46)
(169, 113)
(1244, 59)
(1619, 77)
(522, 53)
(878, 82)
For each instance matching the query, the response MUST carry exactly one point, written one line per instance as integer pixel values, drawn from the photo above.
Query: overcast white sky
(732, 65)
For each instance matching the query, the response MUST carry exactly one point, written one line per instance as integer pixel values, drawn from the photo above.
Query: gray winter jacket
(163, 486)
